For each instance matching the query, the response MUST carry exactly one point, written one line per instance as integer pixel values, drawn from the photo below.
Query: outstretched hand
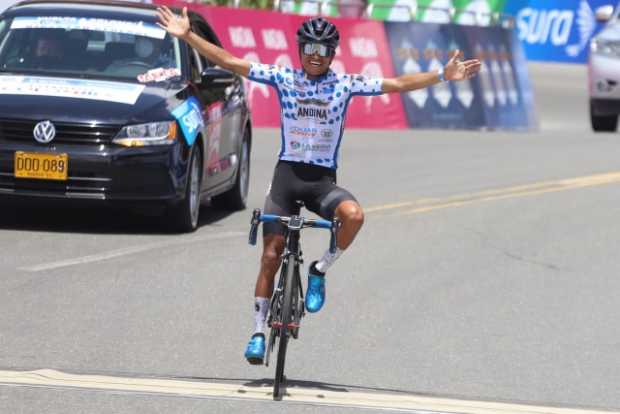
(456, 69)
(176, 25)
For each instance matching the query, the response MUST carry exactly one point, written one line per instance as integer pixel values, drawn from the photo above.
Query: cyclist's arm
(217, 55)
(455, 70)
(180, 26)
(410, 82)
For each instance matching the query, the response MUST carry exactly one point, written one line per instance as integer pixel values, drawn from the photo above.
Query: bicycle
(287, 302)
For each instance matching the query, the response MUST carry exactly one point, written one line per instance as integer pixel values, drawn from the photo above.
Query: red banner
(269, 37)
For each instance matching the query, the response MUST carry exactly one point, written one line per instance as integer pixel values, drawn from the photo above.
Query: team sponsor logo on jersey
(327, 133)
(306, 132)
(312, 101)
(312, 112)
(298, 146)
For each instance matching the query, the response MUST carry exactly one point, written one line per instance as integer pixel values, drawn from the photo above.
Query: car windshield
(88, 47)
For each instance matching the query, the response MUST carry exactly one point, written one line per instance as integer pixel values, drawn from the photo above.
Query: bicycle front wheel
(287, 315)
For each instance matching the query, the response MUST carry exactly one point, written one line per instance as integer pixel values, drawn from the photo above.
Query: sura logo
(310, 112)
(542, 26)
(555, 26)
(193, 119)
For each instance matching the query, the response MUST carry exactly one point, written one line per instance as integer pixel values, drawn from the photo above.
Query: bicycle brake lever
(254, 227)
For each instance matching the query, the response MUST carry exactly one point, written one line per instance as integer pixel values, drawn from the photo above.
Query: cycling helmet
(318, 30)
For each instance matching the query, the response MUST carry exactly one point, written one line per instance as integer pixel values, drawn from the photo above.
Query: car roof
(123, 9)
(105, 9)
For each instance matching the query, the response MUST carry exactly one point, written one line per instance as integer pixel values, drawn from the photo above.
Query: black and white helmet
(318, 30)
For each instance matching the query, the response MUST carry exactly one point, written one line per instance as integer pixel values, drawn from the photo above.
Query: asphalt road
(486, 270)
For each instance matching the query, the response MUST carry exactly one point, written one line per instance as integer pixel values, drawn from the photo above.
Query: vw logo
(44, 132)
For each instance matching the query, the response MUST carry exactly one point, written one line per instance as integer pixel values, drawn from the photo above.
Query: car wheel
(236, 198)
(603, 123)
(184, 216)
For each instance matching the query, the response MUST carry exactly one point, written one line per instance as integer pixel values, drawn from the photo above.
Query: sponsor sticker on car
(190, 119)
(71, 88)
(158, 75)
(138, 28)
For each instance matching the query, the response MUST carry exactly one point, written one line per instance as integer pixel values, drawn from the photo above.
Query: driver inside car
(148, 54)
(48, 50)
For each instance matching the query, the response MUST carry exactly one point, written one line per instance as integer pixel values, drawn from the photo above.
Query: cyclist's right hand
(176, 25)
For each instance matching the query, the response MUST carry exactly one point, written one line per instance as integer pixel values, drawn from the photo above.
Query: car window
(202, 29)
(196, 64)
(52, 45)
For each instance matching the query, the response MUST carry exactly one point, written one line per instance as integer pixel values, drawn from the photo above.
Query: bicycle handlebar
(258, 218)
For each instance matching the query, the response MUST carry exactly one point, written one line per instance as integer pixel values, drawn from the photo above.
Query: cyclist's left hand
(456, 69)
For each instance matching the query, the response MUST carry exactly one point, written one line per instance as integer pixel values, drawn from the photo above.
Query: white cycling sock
(261, 305)
(328, 260)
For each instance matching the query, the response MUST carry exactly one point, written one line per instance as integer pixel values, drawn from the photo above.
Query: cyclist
(313, 103)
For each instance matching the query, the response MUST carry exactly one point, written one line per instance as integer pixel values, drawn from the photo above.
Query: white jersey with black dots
(312, 111)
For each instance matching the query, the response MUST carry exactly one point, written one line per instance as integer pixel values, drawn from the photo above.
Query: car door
(226, 91)
(210, 130)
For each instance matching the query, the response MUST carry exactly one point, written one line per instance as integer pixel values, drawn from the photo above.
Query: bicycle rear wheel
(287, 311)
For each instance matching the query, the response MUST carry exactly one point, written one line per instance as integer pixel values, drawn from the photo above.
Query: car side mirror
(217, 77)
(604, 13)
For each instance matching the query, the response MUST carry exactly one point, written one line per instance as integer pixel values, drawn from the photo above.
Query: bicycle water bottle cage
(295, 223)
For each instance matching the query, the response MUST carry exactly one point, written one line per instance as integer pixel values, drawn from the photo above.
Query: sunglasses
(312, 48)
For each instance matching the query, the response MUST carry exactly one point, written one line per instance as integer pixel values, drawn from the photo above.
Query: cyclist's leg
(351, 215)
(273, 246)
(277, 202)
(280, 201)
(331, 201)
(337, 202)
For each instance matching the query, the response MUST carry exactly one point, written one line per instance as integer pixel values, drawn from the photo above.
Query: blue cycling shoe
(255, 351)
(315, 295)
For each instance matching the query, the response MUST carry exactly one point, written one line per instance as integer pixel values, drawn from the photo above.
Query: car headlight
(605, 47)
(153, 133)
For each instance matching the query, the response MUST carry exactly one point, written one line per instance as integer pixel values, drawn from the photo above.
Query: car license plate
(41, 166)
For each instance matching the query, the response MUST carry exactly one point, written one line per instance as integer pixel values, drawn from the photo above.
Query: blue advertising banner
(499, 98)
(423, 47)
(556, 30)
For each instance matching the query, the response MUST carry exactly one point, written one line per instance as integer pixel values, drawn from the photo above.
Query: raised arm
(179, 26)
(455, 70)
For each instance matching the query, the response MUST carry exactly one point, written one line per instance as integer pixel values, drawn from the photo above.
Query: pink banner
(269, 37)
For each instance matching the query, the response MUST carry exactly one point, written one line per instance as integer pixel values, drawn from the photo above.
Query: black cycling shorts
(312, 184)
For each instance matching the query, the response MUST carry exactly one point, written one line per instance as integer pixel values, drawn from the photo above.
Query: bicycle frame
(292, 251)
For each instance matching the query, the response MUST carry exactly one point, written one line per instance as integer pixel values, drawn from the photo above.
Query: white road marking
(196, 389)
(130, 250)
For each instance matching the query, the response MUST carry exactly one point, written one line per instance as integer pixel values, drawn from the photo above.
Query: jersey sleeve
(362, 85)
(269, 74)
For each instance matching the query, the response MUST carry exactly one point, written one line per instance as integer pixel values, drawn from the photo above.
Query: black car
(98, 102)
